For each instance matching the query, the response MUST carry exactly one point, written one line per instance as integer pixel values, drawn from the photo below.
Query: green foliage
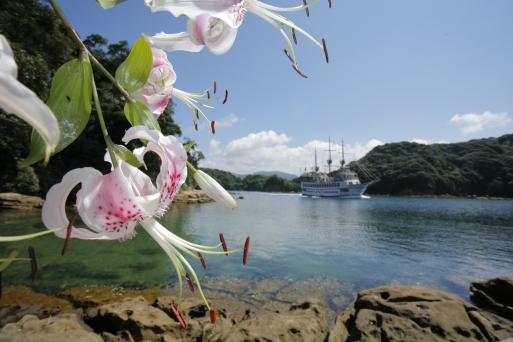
(133, 73)
(41, 45)
(137, 113)
(482, 167)
(70, 101)
(125, 154)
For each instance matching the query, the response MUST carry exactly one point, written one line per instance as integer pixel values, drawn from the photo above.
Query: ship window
(345, 190)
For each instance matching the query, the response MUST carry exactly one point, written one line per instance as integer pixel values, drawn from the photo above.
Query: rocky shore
(11, 200)
(388, 313)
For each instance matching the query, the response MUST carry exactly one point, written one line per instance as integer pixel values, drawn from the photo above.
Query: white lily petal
(213, 189)
(19, 100)
(54, 209)
(7, 62)
(173, 42)
(215, 33)
(230, 11)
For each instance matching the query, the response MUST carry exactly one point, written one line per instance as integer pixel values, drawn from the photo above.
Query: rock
(412, 313)
(11, 200)
(135, 315)
(304, 321)
(13, 313)
(61, 328)
(495, 295)
(192, 196)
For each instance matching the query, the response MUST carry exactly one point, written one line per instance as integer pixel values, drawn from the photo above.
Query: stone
(13, 313)
(12, 200)
(192, 196)
(413, 313)
(134, 315)
(495, 295)
(305, 320)
(62, 328)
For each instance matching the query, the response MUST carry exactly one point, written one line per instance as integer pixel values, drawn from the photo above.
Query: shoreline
(393, 312)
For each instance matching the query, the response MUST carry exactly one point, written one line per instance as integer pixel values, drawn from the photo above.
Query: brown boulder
(412, 313)
(192, 196)
(134, 315)
(11, 200)
(495, 295)
(62, 328)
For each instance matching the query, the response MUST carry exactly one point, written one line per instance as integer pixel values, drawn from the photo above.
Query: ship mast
(316, 166)
(329, 151)
(342, 161)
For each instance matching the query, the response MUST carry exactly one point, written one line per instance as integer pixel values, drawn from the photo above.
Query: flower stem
(81, 45)
(103, 127)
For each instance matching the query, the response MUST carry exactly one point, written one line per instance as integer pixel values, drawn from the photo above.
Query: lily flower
(215, 24)
(19, 100)
(159, 88)
(112, 205)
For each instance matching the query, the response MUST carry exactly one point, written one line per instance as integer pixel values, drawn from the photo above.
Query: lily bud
(213, 189)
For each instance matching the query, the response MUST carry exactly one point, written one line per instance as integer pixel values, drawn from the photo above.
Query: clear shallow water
(444, 243)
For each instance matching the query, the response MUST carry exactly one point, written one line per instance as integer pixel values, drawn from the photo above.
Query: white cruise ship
(342, 183)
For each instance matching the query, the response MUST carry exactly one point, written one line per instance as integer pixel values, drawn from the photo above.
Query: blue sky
(430, 71)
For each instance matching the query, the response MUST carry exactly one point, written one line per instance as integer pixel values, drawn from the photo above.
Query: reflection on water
(443, 243)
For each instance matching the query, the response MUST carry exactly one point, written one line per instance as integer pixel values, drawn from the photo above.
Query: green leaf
(70, 101)
(125, 154)
(133, 73)
(109, 3)
(137, 114)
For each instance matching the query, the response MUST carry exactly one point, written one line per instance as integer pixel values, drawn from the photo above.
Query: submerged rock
(495, 295)
(413, 313)
(62, 328)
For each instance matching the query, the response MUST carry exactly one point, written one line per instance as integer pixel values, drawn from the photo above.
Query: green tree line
(253, 182)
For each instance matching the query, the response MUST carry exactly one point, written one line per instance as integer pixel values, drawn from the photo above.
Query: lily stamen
(213, 126)
(294, 35)
(213, 316)
(225, 96)
(223, 242)
(307, 9)
(325, 50)
(298, 71)
(246, 252)
(203, 261)
(215, 86)
(178, 316)
(189, 282)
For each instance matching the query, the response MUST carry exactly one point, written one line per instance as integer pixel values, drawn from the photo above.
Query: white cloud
(472, 122)
(271, 151)
(214, 146)
(227, 121)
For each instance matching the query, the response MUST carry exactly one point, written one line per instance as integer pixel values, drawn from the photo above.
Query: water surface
(436, 242)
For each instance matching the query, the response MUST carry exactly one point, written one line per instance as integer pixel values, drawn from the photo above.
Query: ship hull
(339, 191)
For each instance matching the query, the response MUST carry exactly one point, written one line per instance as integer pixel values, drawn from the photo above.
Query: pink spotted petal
(173, 169)
(54, 208)
(107, 204)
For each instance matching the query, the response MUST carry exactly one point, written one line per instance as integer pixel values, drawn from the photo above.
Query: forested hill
(482, 167)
